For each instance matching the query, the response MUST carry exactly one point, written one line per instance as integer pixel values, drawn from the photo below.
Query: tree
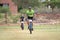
(4, 10)
(25, 3)
(52, 3)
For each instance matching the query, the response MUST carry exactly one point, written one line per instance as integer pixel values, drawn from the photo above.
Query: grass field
(41, 32)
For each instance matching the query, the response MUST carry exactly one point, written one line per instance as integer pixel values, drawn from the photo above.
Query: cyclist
(22, 21)
(30, 15)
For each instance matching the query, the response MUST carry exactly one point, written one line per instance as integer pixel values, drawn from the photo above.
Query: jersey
(30, 13)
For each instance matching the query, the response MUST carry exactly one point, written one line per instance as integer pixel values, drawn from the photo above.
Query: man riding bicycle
(30, 15)
(22, 21)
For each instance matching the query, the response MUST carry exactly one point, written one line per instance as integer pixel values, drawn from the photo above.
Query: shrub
(4, 10)
(1, 16)
(23, 11)
(14, 18)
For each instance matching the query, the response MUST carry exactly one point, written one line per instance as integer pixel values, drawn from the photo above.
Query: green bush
(23, 11)
(4, 10)
(14, 18)
(1, 16)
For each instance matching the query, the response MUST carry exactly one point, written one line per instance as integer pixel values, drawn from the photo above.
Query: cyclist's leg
(28, 21)
(31, 18)
(32, 23)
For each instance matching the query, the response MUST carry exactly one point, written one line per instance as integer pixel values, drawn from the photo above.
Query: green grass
(55, 27)
(41, 32)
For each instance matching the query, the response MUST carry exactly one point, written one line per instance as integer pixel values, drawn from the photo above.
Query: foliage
(1, 16)
(14, 18)
(58, 4)
(25, 3)
(53, 3)
(23, 11)
(4, 9)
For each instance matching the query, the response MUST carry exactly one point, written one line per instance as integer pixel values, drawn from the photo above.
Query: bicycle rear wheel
(30, 27)
(22, 26)
(30, 31)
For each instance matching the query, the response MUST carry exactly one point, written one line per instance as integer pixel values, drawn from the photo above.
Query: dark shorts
(30, 18)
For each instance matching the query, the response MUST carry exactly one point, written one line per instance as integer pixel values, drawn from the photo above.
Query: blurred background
(47, 11)
(46, 20)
